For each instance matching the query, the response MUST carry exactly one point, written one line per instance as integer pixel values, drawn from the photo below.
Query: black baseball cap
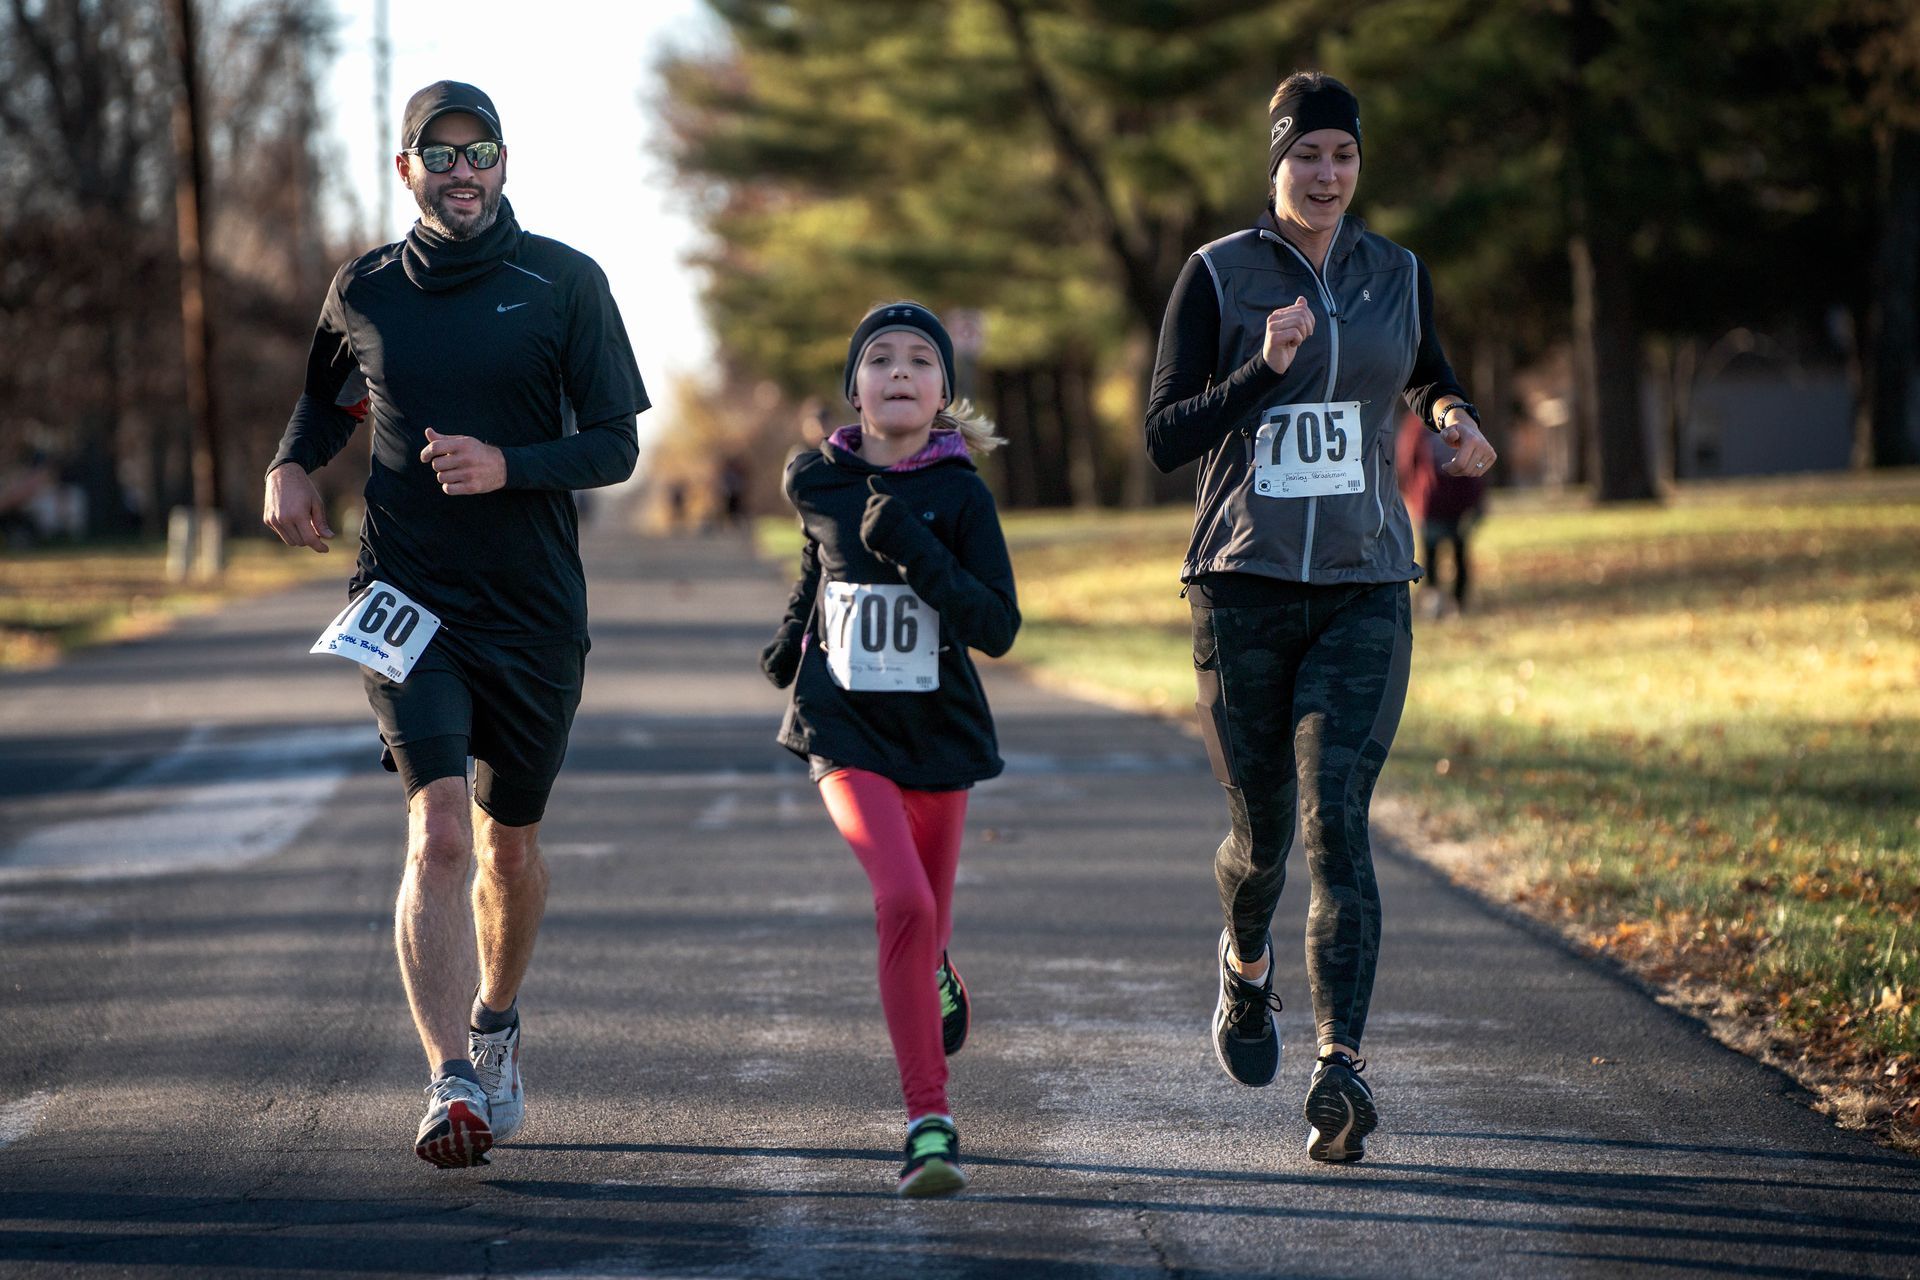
(445, 98)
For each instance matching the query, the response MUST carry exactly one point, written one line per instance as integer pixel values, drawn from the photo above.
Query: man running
(464, 343)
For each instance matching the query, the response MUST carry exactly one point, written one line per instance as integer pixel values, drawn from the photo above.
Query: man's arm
(319, 428)
(603, 384)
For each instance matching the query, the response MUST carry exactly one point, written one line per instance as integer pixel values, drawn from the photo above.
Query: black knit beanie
(907, 317)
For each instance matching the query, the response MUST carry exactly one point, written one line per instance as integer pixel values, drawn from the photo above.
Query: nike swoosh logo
(503, 308)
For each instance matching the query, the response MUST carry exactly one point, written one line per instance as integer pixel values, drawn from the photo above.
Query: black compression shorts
(509, 707)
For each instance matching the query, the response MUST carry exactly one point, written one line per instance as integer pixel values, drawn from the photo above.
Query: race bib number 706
(1308, 450)
(881, 637)
(381, 629)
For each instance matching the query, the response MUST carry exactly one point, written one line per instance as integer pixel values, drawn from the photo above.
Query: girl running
(903, 570)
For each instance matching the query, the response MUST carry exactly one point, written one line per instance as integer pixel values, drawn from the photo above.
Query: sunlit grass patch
(58, 598)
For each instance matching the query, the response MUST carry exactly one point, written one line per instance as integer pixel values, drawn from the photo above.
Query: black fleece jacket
(934, 528)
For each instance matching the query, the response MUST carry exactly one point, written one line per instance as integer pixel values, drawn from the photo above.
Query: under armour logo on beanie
(1298, 114)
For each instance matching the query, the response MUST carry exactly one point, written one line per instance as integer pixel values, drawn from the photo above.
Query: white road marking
(18, 1118)
(579, 850)
(165, 825)
(719, 815)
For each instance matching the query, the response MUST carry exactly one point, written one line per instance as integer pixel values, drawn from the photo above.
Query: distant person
(1298, 569)
(732, 482)
(676, 506)
(904, 569)
(465, 335)
(23, 491)
(1444, 506)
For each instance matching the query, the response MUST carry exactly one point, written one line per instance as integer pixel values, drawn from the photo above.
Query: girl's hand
(880, 522)
(780, 661)
(1287, 328)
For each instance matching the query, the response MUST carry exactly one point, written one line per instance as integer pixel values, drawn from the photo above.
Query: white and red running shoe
(456, 1132)
(496, 1060)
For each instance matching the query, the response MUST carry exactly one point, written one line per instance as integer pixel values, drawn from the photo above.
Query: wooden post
(196, 325)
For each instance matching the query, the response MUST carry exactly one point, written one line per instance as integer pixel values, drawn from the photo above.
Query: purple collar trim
(941, 445)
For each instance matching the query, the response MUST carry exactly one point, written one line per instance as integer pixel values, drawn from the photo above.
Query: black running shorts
(509, 707)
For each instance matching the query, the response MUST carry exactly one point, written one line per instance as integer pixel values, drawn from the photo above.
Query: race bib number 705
(381, 629)
(882, 638)
(1308, 450)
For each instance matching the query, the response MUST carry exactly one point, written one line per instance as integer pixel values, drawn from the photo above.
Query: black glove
(885, 523)
(780, 660)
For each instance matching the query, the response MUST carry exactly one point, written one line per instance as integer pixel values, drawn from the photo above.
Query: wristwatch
(1472, 411)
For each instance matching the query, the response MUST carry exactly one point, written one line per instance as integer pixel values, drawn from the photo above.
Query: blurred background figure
(1445, 508)
(730, 488)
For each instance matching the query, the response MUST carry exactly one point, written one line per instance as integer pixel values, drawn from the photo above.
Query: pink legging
(909, 843)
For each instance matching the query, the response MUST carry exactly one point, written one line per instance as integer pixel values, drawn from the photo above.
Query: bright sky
(574, 83)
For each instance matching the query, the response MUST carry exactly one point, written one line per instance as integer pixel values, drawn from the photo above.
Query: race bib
(1308, 450)
(381, 629)
(881, 638)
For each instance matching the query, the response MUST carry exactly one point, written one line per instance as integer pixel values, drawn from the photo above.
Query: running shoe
(1340, 1109)
(496, 1060)
(455, 1133)
(933, 1160)
(1245, 1038)
(956, 1011)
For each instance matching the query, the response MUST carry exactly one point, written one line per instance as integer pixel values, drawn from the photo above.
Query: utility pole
(204, 530)
(383, 146)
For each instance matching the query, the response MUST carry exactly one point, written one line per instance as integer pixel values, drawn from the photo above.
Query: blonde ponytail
(975, 428)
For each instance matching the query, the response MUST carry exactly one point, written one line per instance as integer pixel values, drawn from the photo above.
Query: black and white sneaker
(933, 1160)
(956, 1011)
(1340, 1109)
(1245, 1038)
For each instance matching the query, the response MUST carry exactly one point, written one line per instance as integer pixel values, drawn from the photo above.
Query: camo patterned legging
(1311, 691)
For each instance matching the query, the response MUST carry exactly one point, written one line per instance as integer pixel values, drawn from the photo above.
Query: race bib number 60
(881, 638)
(1308, 450)
(381, 629)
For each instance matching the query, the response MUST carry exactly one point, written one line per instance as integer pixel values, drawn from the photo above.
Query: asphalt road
(206, 1066)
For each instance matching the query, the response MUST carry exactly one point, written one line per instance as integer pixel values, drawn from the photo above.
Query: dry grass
(56, 599)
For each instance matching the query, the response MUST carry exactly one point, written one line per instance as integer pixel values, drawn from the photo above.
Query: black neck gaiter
(436, 263)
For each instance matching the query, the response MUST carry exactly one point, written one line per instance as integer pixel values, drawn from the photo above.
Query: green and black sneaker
(933, 1160)
(956, 1011)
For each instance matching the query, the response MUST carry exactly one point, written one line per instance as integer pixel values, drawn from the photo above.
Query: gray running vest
(1366, 332)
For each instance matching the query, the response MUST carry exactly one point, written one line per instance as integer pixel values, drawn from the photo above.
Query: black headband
(1298, 114)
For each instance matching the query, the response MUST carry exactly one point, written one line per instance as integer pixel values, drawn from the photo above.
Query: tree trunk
(1081, 429)
(1606, 340)
(1010, 411)
(1492, 387)
(1893, 326)
(1603, 324)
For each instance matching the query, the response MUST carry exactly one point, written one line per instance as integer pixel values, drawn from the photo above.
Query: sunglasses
(441, 157)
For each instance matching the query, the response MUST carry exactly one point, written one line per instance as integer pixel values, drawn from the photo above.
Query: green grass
(1690, 731)
(56, 599)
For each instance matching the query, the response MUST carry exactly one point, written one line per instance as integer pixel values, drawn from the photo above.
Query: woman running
(903, 570)
(1284, 354)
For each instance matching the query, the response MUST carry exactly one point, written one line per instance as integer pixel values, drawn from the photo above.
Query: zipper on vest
(1333, 370)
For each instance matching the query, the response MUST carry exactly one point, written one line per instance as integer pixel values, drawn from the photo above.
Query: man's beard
(436, 213)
